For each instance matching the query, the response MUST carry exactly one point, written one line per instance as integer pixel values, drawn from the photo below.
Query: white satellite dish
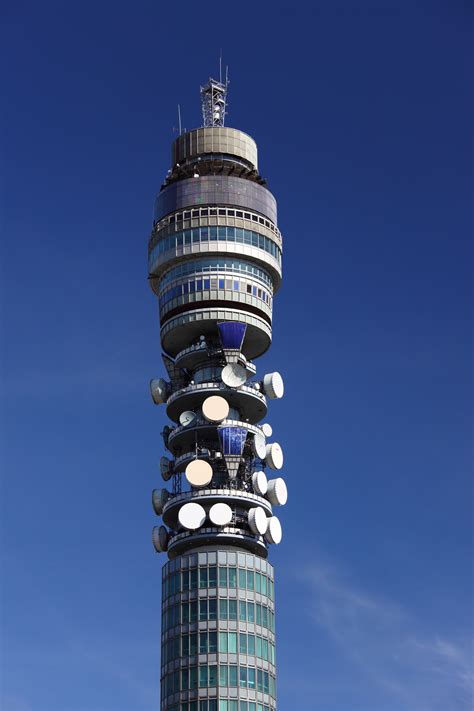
(166, 468)
(191, 516)
(258, 520)
(215, 408)
(158, 390)
(273, 386)
(274, 532)
(260, 484)
(274, 456)
(220, 514)
(233, 375)
(160, 539)
(277, 493)
(198, 473)
(159, 497)
(187, 418)
(267, 429)
(259, 445)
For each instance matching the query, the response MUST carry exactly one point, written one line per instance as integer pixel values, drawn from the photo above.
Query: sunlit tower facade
(215, 266)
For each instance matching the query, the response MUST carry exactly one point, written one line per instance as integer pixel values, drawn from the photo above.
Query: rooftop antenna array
(214, 98)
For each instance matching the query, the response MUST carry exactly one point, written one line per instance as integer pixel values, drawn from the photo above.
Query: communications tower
(215, 264)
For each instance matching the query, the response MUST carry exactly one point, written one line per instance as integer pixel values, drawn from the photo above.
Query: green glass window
(193, 643)
(233, 675)
(212, 609)
(233, 705)
(250, 580)
(203, 577)
(258, 582)
(251, 644)
(193, 677)
(213, 577)
(259, 647)
(212, 680)
(223, 675)
(259, 614)
(243, 643)
(223, 642)
(193, 579)
(264, 616)
(185, 612)
(223, 705)
(243, 677)
(193, 611)
(264, 584)
(259, 680)
(242, 578)
(251, 611)
(212, 647)
(203, 676)
(185, 645)
(251, 678)
(202, 609)
(233, 642)
(232, 609)
(242, 610)
(223, 611)
(222, 577)
(203, 643)
(265, 649)
(232, 577)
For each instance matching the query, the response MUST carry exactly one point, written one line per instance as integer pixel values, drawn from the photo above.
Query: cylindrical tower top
(218, 140)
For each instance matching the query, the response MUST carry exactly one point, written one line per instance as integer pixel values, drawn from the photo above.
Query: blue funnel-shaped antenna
(232, 440)
(232, 334)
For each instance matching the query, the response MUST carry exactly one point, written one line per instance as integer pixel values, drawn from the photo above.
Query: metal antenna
(179, 119)
(213, 100)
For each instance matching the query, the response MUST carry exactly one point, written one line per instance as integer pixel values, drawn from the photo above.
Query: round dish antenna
(274, 456)
(159, 497)
(273, 385)
(215, 408)
(160, 537)
(166, 468)
(158, 390)
(220, 514)
(187, 418)
(277, 493)
(267, 429)
(260, 484)
(259, 446)
(274, 532)
(257, 520)
(234, 375)
(191, 516)
(198, 473)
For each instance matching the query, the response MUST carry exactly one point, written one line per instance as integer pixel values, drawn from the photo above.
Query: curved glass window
(214, 234)
(217, 264)
(197, 285)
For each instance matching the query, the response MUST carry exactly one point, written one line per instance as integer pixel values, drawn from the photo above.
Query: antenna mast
(213, 100)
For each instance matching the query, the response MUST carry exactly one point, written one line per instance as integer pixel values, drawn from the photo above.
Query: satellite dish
(160, 538)
(220, 514)
(187, 418)
(215, 408)
(158, 390)
(159, 497)
(277, 493)
(258, 520)
(233, 375)
(198, 473)
(274, 456)
(191, 516)
(260, 484)
(267, 429)
(166, 468)
(259, 446)
(273, 386)
(274, 532)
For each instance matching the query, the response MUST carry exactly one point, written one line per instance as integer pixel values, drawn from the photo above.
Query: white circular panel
(274, 456)
(267, 429)
(160, 538)
(277, 493)
(158, 389)
(191, 516)
(260, 484)
(274, 532)
(166, 468)
(259, 446)
(187, 418)
(215, 408)
(159, 497)
(233, 375)
(258, 520)
(273, 385)
(198, 473)
(220, 514)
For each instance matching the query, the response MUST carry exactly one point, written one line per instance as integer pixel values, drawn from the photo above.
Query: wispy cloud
(384, 641)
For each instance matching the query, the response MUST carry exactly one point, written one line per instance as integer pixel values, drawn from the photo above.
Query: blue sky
(362, 114)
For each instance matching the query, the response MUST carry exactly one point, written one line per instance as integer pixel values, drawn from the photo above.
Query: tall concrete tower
(215, 265)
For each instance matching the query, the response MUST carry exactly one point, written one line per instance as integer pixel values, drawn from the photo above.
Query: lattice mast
(213, 101)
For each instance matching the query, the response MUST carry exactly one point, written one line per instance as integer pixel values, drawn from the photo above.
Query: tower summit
(215, 264)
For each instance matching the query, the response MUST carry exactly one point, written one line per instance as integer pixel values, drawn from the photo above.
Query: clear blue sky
(362, 114)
